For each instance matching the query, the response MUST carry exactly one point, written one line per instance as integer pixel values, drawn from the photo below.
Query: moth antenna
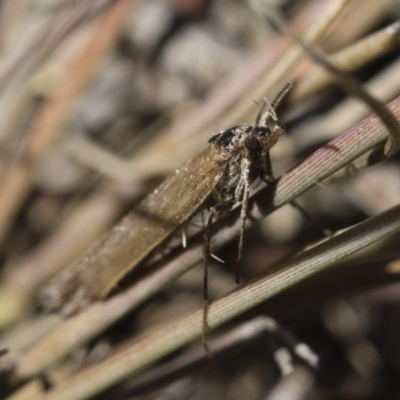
(263, 114)
(281, 95)
(269, 109)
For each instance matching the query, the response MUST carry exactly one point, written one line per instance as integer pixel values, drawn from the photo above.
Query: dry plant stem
(366, 135)
(146, 351)
(351, 86)
(25, 334)
(360, 17)
(34, 49)
(17, 179)
(350, 58)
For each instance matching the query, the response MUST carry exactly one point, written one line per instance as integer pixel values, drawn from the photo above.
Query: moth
(221, 173)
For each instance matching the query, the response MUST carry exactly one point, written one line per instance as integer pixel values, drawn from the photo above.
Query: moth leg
(207, 249)
(249, 164)
(244, 192)
(266, 169)
(206, 255)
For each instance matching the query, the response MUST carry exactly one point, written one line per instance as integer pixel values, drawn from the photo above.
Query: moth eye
(224, 138)
(252, 144)
(264, 131)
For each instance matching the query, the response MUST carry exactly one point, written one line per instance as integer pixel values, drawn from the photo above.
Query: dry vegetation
(99, 101)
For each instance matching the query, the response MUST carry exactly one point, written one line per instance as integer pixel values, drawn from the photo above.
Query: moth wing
(139, 232)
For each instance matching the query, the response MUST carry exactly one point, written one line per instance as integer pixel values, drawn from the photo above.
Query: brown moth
(222, 173)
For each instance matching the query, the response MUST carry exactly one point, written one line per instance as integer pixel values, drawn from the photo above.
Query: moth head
(253, 144)
(229, 138)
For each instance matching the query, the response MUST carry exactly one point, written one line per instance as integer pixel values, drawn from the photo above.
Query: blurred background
(100, 100)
